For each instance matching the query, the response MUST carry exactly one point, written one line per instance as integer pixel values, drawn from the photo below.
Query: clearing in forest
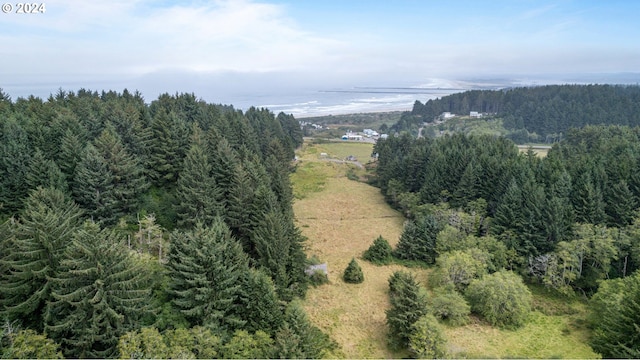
(342, 217)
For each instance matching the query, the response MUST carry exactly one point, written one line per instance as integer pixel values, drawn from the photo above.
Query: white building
(475, 114)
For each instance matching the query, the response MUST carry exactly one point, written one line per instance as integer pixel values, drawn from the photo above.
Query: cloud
(135, 37)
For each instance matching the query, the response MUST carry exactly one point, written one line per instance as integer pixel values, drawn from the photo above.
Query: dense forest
(149, 230)
(548, 111)
(487, 216)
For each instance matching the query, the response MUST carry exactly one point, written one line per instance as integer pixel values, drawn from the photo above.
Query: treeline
(548, 111)
(568, 221)
(127, 226)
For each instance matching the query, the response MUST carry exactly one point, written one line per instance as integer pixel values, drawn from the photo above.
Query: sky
(261, 51)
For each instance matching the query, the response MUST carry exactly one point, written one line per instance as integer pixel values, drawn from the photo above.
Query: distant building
(447, 115)
(384, 136)
(475, 114)
(352, 136)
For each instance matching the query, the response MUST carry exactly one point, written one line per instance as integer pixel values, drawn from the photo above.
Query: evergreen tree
(353, 273)
(206, 266)
(167, 148)
(298, 338)
(587, 201)
(100, 293)
(615, 318)
(408, 304)
(45, 173)
(278, 247)
(260, 303)
(380, 252)
(223, 164)
(93, 187)
(70, 155)
(14, 166)
(129, 181)
(200, 199)
(39, 241)
(418, 240)
(620, 205)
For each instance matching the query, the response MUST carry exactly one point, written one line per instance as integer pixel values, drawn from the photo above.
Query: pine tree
(100, 293)
(167, 148)
(223, 164)
(260, 303)
(620, 205)
(14, 166)
(353, 273)
(45, 173)
(408, 304)
(278, 247)
(39, 241)
(70, 155)
(380, 252)
(93, 187)
(298, 338)
(587, 200)
(418, 240)
(129, 181)
(206, 266)
(200, 198)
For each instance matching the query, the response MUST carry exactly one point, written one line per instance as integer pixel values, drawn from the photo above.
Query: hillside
(546, 111)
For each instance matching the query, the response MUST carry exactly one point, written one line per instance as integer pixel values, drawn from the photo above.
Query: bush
(451, 307)
(379, 252)
(353, 273)
(501, 298)
(427, 340)
(458, 267)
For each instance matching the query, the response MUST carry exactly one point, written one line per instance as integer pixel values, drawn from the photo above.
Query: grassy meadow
(342, 217)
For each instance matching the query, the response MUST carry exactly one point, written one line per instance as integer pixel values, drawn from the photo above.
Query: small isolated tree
(353, 273)
(502, 298)
(379, 252)
(427, 340)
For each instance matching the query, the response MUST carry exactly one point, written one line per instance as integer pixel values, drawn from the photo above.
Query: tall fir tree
(100, 293)
(206, 266)
(15, 156)
(418, 240)
(39, 239)
(93, 187)
(45, 173)
(129, 181)
(200, 199)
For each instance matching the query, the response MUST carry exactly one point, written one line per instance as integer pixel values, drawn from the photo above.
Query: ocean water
(349, 101)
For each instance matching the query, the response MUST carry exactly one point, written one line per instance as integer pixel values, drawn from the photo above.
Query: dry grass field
(341, 218)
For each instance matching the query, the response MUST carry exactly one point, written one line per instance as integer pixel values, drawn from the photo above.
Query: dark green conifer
(353, 273)
(100, 293)
(39, 240)
(200, 199)
(206, 266)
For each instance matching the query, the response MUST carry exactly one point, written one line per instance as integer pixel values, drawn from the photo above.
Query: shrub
(379, 252)
(353, 273)
(501, 298)
(451, 307)
(427, 340)
(458, 267)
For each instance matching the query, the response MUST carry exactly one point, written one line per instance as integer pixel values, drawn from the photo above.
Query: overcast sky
(279, 47)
